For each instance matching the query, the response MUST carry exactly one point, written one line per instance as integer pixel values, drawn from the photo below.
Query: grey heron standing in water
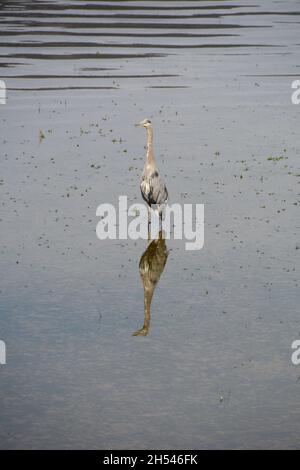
(153, 188)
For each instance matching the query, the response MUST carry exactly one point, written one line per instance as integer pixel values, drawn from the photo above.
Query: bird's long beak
(138, 124)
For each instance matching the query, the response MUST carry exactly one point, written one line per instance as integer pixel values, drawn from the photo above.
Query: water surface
(214, 370)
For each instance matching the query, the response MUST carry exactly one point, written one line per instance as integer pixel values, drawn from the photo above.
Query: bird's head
(145, 123)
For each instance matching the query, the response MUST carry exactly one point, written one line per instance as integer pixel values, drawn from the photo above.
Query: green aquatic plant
(276, 159)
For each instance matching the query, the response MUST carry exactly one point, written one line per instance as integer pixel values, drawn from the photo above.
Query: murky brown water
(214, 370)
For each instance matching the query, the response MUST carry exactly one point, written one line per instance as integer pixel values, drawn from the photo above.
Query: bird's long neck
(150, 155)
(148, 294)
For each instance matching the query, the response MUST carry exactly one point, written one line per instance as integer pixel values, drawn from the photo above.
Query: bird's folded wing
(154, 190)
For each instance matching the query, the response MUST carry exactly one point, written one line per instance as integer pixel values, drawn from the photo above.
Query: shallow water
(215, 369)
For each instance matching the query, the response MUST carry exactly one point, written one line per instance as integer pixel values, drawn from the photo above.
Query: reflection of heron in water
(153, 188)
(151, 266)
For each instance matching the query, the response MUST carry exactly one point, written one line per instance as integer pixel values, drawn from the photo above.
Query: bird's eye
(149, 122)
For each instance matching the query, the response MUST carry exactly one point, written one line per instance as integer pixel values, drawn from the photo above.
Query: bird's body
(153, 188)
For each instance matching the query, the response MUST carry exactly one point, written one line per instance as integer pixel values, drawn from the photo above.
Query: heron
(153, 188)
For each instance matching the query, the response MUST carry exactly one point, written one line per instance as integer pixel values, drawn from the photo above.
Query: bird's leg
(149, 223)
(160, 220)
